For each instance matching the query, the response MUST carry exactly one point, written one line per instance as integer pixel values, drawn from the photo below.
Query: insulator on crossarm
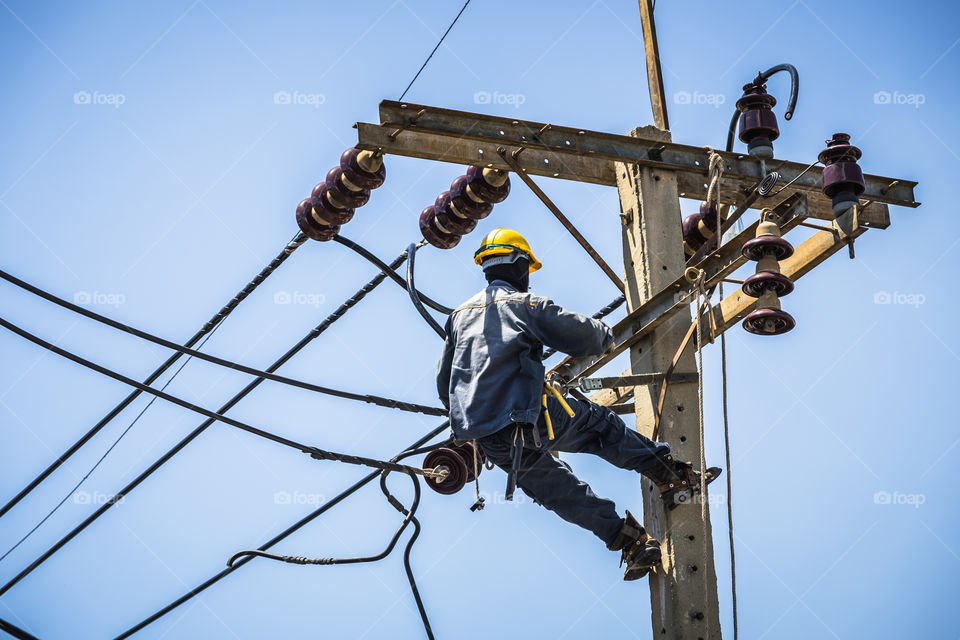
(450, 218)
(347, 186)
(698, 228)
(488, 185)
(466, 203)
(434, 233)
(768, 285)
(311, 226)
(326, 209)
(842, 177)
(758, 124)
(344, 191)
(364, 169)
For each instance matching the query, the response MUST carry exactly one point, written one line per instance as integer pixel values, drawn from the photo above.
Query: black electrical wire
(217, 318)
(15, 631)
(396, 504)
(412, 290)
(436, 306)
(607, 310)
(424, 65)
(327, 322)
(314, 452)
(87, 313)
(303, 560)
(367, 479)
(103, 457)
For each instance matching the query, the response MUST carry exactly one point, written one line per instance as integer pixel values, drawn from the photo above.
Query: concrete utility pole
(683, 592)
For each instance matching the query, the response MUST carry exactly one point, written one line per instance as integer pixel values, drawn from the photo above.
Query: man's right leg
(552, 485)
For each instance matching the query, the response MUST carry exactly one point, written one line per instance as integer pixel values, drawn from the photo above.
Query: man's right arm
(572, 333)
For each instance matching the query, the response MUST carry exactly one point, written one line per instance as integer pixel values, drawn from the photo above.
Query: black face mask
(517, 274)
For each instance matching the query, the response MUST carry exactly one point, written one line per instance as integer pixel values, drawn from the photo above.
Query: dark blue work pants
(593, 429)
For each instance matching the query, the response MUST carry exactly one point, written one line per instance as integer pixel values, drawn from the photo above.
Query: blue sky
(176, 181)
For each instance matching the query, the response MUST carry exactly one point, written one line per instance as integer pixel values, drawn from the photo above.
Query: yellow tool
(546, 413)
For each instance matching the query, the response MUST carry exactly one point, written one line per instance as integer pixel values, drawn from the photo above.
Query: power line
(217, 318)
(327, 322)
(423, 66)
(107, 452)
(193, 353)
(314, 452)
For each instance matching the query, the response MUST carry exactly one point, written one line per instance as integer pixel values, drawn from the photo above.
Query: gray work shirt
(490, 374)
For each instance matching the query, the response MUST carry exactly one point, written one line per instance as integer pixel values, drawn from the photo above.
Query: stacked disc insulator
(768, 285)
(758, 124)
(471, 198)
(842, 177)
(458, 461)
(347, 187)
(698, 228)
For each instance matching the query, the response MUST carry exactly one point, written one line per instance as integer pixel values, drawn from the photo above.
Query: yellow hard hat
(502, 242)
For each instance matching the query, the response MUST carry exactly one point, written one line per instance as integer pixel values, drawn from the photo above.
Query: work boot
(638, 550)
(678, 481)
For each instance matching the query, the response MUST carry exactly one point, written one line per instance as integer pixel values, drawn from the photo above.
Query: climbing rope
(372, 399)
(297, 241)
(713, 197)
(170, 453)
(726, 451)
(702, 300)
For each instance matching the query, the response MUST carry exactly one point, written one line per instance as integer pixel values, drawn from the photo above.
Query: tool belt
(518, 439)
